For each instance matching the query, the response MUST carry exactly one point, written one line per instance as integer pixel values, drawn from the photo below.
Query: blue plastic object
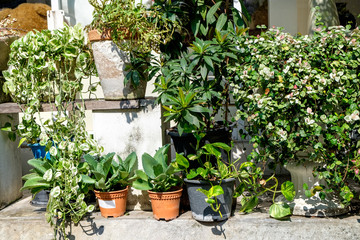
(39, 151)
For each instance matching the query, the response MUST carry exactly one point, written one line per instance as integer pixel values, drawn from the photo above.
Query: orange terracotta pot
(165, 205)
(112, 204)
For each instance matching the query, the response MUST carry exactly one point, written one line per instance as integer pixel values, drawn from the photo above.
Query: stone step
(25, 222)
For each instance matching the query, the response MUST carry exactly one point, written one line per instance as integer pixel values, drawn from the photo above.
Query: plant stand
(314, 206)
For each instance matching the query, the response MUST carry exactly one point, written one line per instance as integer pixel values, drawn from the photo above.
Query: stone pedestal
(314, 206)
(10, 167)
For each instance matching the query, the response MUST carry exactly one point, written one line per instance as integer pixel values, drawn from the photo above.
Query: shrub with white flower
(308, 97)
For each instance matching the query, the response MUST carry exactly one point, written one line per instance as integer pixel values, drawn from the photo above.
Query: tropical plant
(107, 174)
(158, 174)
(193, 82)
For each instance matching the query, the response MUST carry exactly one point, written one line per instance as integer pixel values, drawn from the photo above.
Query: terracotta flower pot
(165, 205)
(112, 204)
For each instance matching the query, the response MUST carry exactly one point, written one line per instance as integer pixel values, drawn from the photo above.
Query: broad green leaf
(288, 190)
(142, 185)
(182, 161)
(248, 204)
(216, 190)
(148, 164)
(210, 14)
(279, 210)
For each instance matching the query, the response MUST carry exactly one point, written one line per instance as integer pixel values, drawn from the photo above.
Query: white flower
(282, 134)
(309, 121)
(352, 117)
(48, 175)
(309, 111)
(62, 145)
(323, 81)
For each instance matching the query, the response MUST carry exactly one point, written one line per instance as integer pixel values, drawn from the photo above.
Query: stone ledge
(23, 221)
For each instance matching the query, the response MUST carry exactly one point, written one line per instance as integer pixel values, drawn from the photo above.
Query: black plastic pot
(201, 210)
(186, 143)
(41, 199)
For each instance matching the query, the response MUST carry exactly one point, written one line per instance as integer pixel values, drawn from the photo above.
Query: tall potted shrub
(193, 81)
(124, 35)
(162, 184)
(301, 106)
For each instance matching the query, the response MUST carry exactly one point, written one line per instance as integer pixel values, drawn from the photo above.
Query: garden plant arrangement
(299, 98)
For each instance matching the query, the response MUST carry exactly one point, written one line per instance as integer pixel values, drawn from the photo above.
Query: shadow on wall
(328, 12)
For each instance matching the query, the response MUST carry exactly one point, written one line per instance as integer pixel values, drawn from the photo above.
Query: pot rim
(164, 193)
(203, 182)
(116, 191)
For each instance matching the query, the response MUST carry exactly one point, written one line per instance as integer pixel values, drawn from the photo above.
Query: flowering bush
(300, 99)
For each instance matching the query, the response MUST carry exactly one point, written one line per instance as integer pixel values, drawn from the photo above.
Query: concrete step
(25, 222)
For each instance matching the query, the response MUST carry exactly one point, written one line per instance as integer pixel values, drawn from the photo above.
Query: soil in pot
(165, 205)
(201, 210)
(112, 204)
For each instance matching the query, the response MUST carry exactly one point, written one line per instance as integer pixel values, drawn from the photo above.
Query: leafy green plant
(208, 171)
(108, 174)
(298, 98)
(158, 174)
(50, 66)
(133, 27)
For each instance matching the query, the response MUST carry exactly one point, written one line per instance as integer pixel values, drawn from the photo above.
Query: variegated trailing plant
(48, 67)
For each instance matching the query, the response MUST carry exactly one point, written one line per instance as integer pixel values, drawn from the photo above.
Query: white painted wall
(283, 13)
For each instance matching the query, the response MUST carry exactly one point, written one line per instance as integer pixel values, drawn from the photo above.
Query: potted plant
(124, 35)
(162, 184)
(110, 180)
(301, 109)
(192, 80)
(215, 181)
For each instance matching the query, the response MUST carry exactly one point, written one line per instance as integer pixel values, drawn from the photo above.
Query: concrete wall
(10, 167)
(283, 13)
(128, 130)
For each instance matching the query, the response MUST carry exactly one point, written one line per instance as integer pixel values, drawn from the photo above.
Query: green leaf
(182, 161)
(142, 185)
(221, 22)
(192, 174)
(288, 190)
(216, 190)
(279, 210)
(148, 164)
(21, 141)
(212, 11)
(87, 179)
(249, 204)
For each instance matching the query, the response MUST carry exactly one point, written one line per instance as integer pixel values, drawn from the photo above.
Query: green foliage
(208, 170)
(193, 86)
(252, 185)
(158, 175)
(107, 174)
(134, 27)
(299, 98)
